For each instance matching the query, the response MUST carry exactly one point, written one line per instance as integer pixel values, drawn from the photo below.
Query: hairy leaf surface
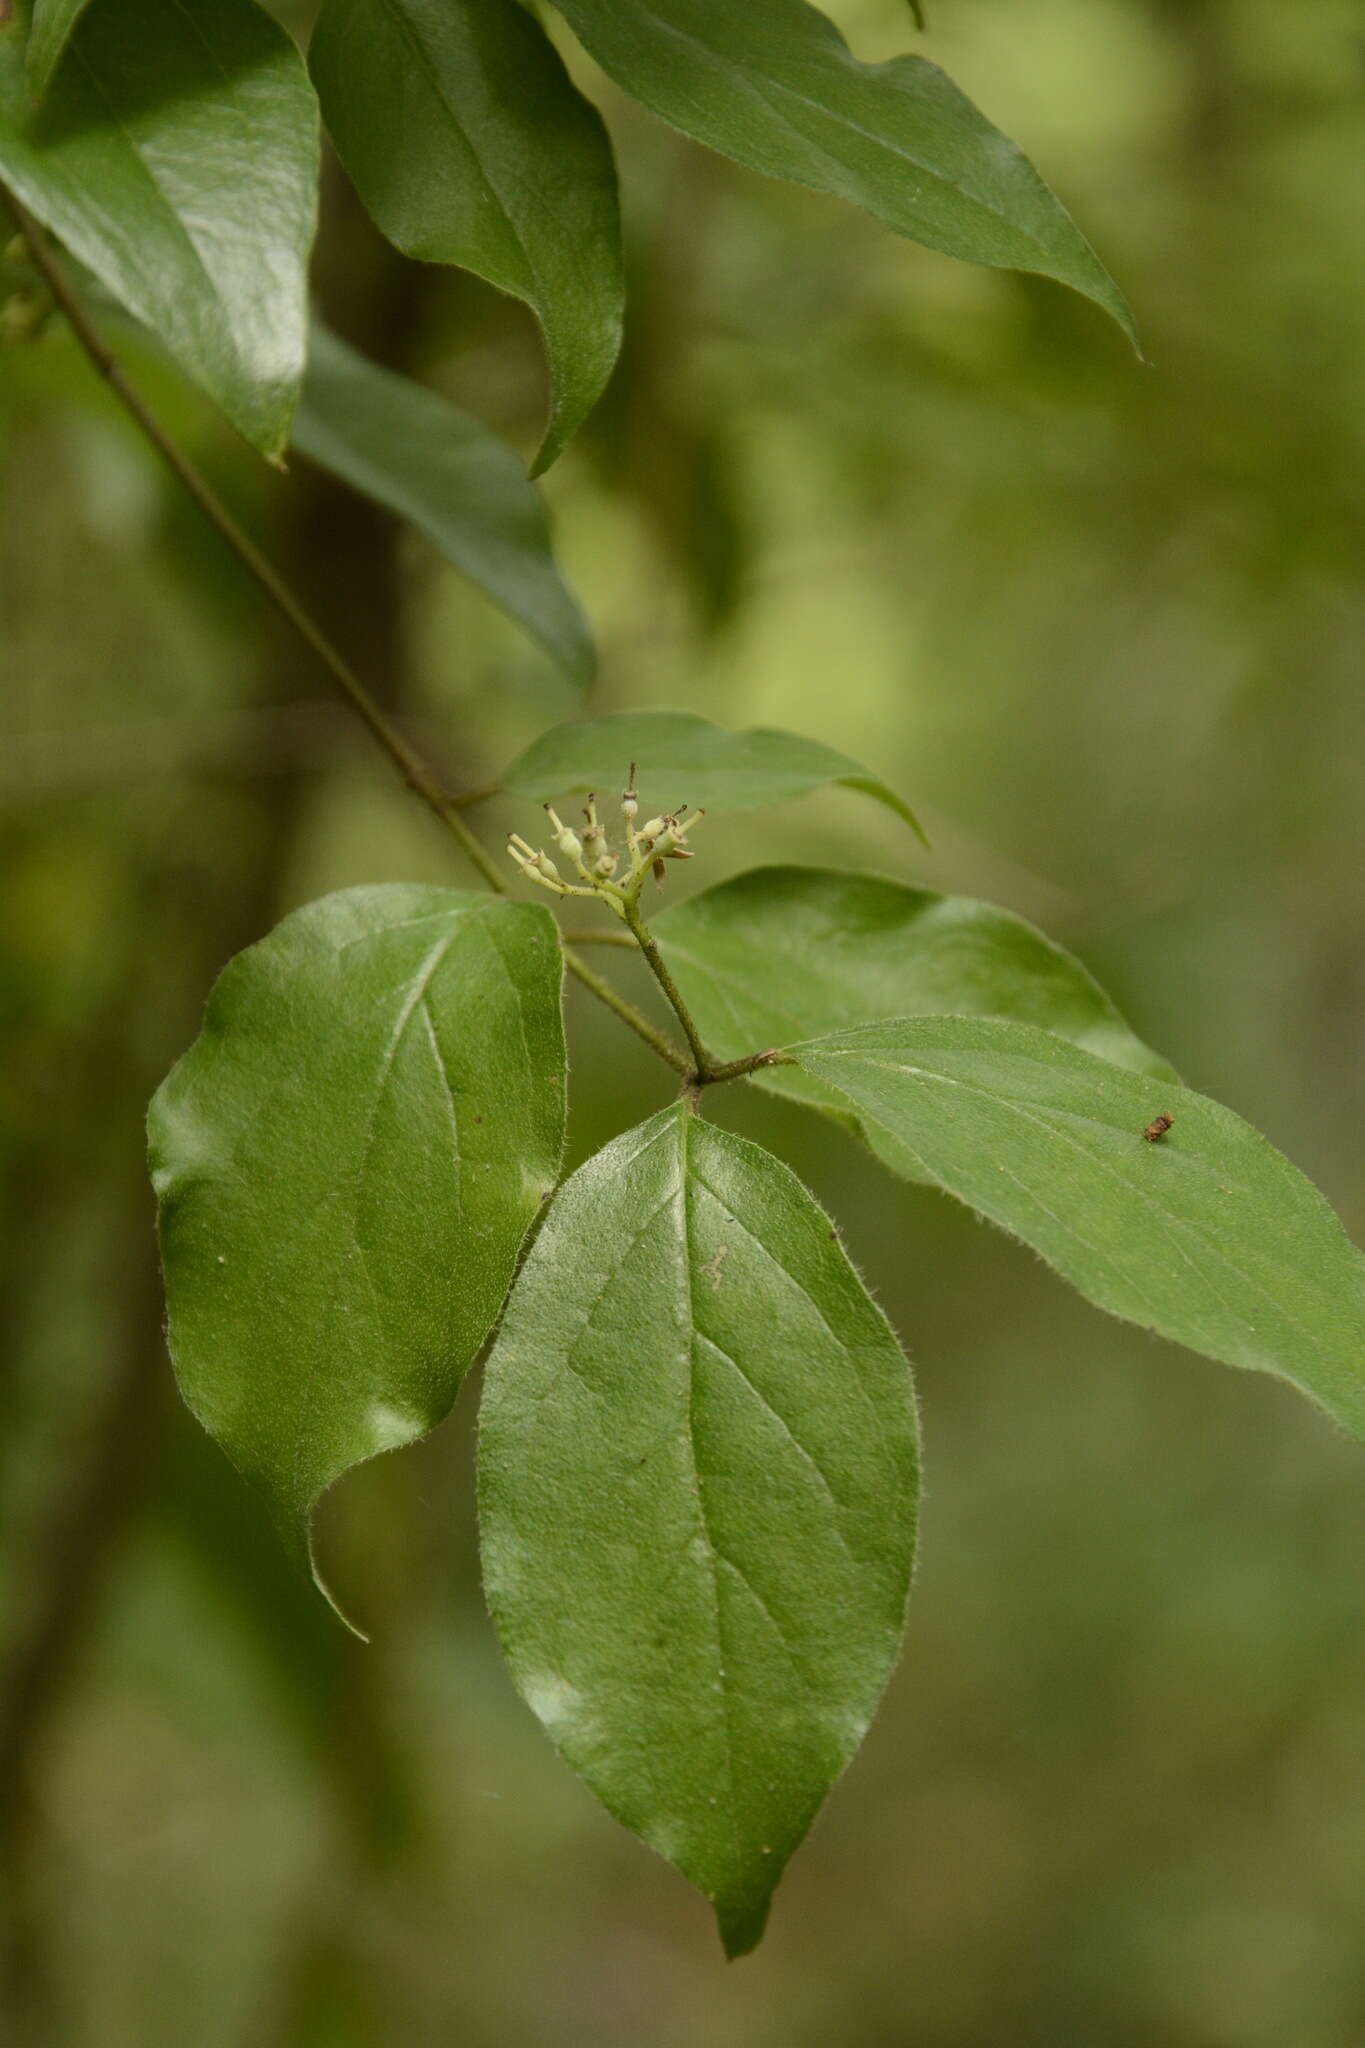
(470, 145)
(347, 1160)
(412, 450)
(772, 84)
(1208, 1236)
(784, 953)
(685, 759)
(177, 156)
(698, 1480)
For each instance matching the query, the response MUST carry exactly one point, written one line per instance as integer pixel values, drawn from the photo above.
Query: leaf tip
(315, 1574)
(548, 453)
(741, 1923)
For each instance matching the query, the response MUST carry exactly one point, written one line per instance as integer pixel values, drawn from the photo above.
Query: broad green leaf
(347, 1160)
(772, 84)
(53, 21)
(685, 759)
(779, 954)
(469, 144)
(415, 452)
(177, 156)
(698, 1483)
(1207, 1236)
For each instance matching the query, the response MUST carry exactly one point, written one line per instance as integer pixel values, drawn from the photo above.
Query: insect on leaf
(784, 953)
(1210, 1237)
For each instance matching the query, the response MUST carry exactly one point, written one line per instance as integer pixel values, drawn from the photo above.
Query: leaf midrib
(415, 1000)
(530, 282)
(756, 82)
(684, 1120)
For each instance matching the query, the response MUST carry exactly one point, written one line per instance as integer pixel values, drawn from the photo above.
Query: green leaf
(1208, 1236)
(698, 1482)
(416, 453)
(773, 85)
(779, 954)
(53, 21)
(469, 144)
(347, 1160)
(139, 162)
(682, 758)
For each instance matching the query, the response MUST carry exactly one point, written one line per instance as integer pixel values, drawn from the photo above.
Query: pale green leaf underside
(785, 953)
(470, 145)
(772, 84)
(53, 21)
(176, 155)
(682, 759)
(416, 453)
(1209, 1236)
(698, 1479)
(347, 1160)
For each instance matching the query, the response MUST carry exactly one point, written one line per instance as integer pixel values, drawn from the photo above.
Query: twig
(596, 938)
(407, 761)
(414, 770)
(638, 1022)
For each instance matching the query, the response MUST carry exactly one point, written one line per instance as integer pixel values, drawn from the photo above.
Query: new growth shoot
(597, 864)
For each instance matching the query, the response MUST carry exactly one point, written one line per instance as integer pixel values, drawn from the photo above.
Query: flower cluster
(598, 865)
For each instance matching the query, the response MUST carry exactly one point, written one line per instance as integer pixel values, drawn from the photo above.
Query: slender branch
(644, 939)
(410, 765)
(599, 938)
(415, 771)
(627, 1012)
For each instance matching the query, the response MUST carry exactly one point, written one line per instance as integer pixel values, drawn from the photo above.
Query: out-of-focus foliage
(1103, 623)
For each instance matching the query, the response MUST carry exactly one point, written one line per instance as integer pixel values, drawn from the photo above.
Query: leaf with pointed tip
(686, 759)
(779, 954)
(136, 161)
(48, 36)
(698, 1480)
(1209, 1236)
(347, 1160)
(469, 144)
(415, 452)
(772, 84)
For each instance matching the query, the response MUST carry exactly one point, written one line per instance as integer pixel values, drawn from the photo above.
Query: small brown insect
(1158, 1127)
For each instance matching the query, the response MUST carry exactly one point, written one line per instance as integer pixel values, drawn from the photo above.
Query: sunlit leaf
(470, 145)
(137, 161)
(772, 84)
(347, 1160)
(1207, 1235)
(779, 954)
(698, 1478)
(682, 759)
(415, 452)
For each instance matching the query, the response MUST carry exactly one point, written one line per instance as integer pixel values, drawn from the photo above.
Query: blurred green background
(1102, 624)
